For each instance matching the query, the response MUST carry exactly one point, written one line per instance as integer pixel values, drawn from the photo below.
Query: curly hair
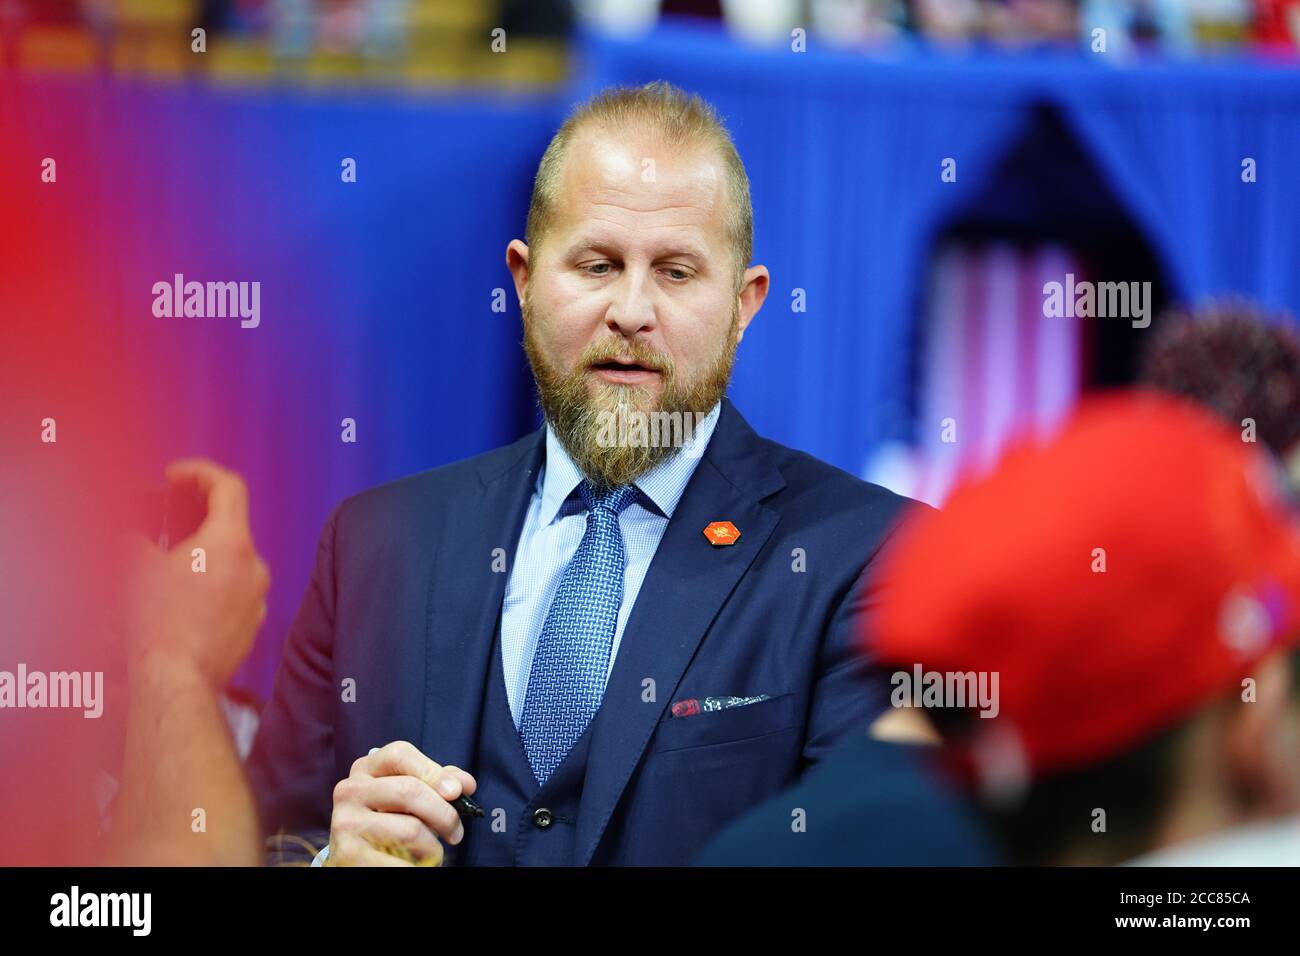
(1236, 360)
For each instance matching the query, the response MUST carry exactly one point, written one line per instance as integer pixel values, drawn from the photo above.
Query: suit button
(543, 818)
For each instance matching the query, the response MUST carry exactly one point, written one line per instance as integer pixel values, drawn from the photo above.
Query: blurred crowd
(418, 42)
(446, 41)
(1168, 26)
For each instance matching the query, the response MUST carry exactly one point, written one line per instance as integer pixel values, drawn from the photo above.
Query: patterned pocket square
(694, 705)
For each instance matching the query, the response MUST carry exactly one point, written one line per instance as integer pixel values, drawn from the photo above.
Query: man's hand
(396, 798)
(204, 620)
(187, 630)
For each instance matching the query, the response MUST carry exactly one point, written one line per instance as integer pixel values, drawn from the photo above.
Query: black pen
(467, 808)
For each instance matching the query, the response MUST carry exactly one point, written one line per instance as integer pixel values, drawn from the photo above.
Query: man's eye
(599, 269)
(678, 275)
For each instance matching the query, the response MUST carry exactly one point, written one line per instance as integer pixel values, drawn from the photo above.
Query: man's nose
(633, 308)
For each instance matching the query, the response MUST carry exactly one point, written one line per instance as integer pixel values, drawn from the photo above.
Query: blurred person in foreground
(1130, 592)
(615, 643)
(186, 631)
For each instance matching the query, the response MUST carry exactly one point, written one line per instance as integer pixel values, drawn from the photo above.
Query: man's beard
(580, 407)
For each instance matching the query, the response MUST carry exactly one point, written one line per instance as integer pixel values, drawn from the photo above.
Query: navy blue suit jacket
(404, 600)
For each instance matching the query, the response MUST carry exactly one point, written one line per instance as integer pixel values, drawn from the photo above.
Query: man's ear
(1257, 740)
(517, 263)
(753, 292)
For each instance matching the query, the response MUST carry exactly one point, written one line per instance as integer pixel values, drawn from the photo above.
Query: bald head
(656, 124)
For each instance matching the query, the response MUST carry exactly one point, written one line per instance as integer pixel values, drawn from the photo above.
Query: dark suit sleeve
(851, 691)
(292, 766)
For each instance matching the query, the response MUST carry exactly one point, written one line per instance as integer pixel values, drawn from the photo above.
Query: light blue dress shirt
(553, 528)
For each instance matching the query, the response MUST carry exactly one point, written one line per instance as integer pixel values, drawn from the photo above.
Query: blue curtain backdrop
(844, 158)
(377, 295)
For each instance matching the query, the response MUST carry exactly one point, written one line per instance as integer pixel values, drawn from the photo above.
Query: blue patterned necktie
(567, 680)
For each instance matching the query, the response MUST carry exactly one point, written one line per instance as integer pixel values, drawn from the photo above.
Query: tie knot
(613, 500)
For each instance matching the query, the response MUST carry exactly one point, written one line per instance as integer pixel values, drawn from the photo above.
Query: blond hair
(679, 119)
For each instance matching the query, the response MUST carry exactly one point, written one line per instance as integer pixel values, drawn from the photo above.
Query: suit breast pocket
(724, 726)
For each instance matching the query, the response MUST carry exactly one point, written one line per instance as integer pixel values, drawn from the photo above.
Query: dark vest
(524, 825)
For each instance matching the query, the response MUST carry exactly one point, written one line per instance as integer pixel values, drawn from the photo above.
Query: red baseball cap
(1116, 579)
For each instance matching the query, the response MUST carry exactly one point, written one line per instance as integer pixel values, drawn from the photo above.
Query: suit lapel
(465, 598)
(687, 582)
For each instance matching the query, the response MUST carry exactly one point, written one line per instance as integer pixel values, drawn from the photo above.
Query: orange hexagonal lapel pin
(721, 533)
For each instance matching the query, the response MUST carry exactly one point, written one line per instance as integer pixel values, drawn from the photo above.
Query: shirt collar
(663, 485)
